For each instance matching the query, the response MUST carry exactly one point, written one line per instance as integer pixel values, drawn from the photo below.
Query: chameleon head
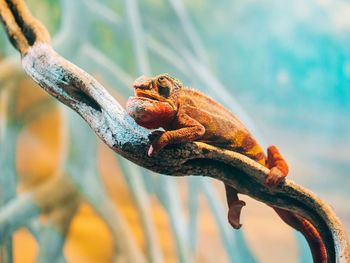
(153, 104)
(160, 88)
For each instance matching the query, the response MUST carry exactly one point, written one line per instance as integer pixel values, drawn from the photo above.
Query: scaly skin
(187, 115)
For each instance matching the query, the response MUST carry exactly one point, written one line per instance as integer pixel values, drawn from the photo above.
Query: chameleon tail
(313, 238)
(310, 233)
(278, 171)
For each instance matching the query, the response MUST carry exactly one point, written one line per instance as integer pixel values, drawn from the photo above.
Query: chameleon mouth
(144, 95)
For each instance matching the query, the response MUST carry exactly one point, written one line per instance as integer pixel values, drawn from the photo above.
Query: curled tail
(278, 171)
(310, 233)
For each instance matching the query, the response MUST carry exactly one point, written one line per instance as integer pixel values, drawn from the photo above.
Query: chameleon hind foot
(234, 213)
(277, 165)
(275, 177)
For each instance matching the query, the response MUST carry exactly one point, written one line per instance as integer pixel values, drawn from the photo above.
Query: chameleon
(187, 115)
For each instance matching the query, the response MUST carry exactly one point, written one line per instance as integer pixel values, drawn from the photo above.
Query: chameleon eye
(163, 82)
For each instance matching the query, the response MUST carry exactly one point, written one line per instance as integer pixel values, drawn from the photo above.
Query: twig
(51, 242)
(137, 35)
(81, 163)
(22, 29)
(110, 67)
(15, 214)
(229, 240)
(189, 30)
(141, 199)
(107, 118)
(102, 12)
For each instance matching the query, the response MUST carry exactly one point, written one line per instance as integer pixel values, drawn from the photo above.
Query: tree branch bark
(81, 92)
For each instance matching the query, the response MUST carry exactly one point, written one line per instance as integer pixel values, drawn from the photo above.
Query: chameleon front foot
(234, 213)
(156, 145)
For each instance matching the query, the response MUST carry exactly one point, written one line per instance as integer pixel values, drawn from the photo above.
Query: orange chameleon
(187, 115)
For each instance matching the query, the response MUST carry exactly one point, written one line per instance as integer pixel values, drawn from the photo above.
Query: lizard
(187, 115)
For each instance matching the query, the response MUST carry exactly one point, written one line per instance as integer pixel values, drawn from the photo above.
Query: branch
(22, 29)
(81, 92)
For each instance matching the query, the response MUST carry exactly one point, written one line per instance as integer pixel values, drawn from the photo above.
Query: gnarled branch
(108, 119)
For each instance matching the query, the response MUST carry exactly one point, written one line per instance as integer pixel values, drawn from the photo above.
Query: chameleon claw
(154, 148)
(275, 177)
(151, 152)
(234, 213)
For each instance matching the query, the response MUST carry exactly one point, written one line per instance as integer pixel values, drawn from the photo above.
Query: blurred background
(283, 67)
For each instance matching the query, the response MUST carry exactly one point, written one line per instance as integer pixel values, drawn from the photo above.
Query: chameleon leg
(192, 130)
(277, 165)
(235, 206)
(278, 171)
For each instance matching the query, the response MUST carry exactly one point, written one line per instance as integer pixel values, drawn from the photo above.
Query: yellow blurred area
(27, 252)
(39, 148)
(88, 239)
